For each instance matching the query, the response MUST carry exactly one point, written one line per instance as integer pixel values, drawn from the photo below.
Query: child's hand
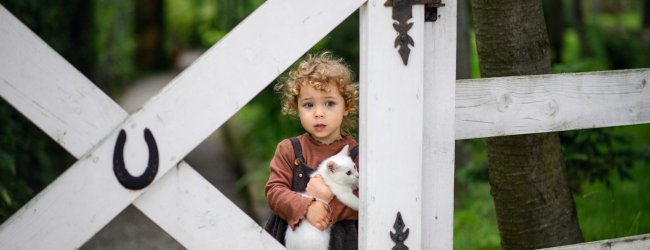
(317, 188)
(318, 215)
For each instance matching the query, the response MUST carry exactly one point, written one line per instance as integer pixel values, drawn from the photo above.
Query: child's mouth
(319, 127)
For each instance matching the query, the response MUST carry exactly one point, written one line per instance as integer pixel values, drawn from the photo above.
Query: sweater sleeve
(283, 201)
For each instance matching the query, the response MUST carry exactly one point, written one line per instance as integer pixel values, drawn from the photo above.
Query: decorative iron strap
(402, 12)
(400, 235)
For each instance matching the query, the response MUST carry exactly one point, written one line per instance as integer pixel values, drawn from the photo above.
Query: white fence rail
(543, 103)
(637, 242)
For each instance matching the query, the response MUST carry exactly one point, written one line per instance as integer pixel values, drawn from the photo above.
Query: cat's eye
(349, 172)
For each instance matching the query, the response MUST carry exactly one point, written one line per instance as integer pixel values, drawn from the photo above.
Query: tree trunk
(578, 23)
(463, 64)
(645, 27)
(646, 14)
(554, 15)
(463, 152)
(533, 203)
(149, 29)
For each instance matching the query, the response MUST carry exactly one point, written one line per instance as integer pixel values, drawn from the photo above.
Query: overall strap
(297, 150)
(354, 152)
(300, 169)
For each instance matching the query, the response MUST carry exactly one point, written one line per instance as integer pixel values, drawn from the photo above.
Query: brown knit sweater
(290, 205)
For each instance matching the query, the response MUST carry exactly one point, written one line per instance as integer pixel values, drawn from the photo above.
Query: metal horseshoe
(123, 176)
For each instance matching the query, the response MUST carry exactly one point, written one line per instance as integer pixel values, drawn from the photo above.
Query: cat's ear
(331, 166)
(344, 151)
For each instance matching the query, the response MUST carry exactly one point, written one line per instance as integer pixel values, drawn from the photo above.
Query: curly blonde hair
(321, 71)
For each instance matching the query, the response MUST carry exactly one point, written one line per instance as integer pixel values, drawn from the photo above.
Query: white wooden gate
(407, 113)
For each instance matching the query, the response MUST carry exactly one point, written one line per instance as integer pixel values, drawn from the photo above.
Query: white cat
(341, 176)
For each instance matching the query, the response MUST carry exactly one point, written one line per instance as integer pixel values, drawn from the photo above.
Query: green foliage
(475, 222)
(607, 212)
(614, 41)
(476, 169)
(202, 23)
(114, 44)
(573, 61)
(29, 160)
(595, 154)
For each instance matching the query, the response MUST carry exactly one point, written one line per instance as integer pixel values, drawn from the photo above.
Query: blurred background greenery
(115, 42)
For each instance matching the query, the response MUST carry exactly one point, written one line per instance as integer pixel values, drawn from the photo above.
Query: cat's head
(341, 168)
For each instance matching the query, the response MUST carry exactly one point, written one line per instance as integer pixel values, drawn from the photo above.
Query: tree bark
(149, 29)
(645, 27)
(527, 174)
(646, 14)
(554, 15)
(578, 23)
(462, 149)
(463, 64)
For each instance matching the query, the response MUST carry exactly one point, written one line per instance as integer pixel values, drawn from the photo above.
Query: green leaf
(7, 163)
(6, 197)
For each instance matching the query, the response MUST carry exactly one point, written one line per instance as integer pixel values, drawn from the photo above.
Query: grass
(475, 223)
(622, 210)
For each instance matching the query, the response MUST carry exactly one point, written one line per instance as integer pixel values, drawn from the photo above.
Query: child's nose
(319, 112)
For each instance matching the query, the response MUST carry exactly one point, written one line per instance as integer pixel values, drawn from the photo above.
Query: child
(320, 92)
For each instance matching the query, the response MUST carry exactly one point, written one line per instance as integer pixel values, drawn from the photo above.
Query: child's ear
(346, 112)
(331, 166)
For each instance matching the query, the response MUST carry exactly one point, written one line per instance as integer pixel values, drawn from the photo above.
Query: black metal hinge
(402, 12)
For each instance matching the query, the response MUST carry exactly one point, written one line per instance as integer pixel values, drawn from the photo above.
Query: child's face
(321, 113)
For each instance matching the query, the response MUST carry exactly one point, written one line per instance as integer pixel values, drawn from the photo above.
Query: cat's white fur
(341, 176)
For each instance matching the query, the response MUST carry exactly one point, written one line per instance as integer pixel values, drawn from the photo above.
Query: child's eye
(308, 105)
(330, 103)
(349, 172)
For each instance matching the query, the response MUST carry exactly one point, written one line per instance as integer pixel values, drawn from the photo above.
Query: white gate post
(391, 99)
(438, 149)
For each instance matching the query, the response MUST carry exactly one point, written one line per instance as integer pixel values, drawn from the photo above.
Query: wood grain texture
(626, 243)
(544, 103)
(438, 148)
(391, 120)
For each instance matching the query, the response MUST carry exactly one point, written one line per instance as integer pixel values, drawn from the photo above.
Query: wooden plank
(199, 100)
(75, 90)
(390, 129)
(543, 103)
(196, 214)
(438, 149)
(626, 243)
(67, 106)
